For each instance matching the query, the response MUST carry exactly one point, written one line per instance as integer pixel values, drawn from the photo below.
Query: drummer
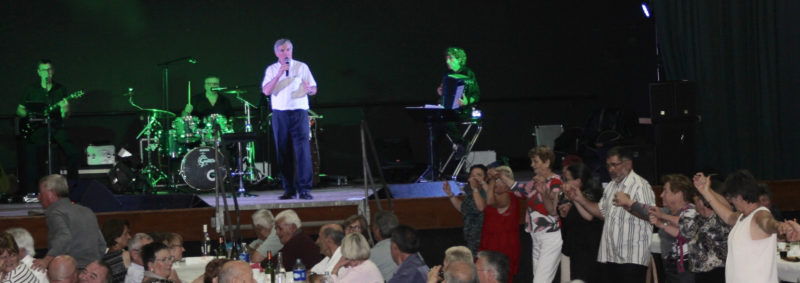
(209, 102)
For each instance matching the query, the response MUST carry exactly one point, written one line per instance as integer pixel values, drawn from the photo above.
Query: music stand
(431, 116)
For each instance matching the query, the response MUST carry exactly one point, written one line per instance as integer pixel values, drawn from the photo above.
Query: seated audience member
(116, 232)
(405, 252)
(581, 236)
(471, 210)
(382, 225)
(62, 269)
(264, 224)
(492, 267)
(752, 241)
(211, 271)
(158, 263)
(236, 271)
(24, 241)
(296, 244)
(136, 270)
(11, 267)
(96, 272)
(765, 199)
(457, 261)
(329, 242)
(354, 265)
(356, 223)
(501, 217)
(457, 253)
(674, 223)
(71, 228)
(174, 242)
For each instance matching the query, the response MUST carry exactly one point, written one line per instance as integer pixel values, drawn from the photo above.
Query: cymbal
(159, 112)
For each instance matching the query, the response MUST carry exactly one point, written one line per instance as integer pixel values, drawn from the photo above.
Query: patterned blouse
(709, 242)
(536, 217)
(676, 260)
(473, 220)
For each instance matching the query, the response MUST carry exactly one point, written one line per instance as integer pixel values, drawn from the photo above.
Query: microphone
(129, 93)
(287, 63)
(193, 60)
(218, 88)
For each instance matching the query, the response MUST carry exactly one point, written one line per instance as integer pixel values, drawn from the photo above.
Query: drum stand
(150, 171)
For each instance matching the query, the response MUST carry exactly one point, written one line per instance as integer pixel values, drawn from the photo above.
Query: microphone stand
(165, 88)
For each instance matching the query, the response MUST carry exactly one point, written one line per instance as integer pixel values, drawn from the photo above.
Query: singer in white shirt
(288, 83)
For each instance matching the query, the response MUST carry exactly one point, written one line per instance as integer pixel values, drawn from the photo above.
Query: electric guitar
(27, 127)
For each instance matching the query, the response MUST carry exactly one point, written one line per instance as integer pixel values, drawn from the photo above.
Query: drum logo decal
(203, 160)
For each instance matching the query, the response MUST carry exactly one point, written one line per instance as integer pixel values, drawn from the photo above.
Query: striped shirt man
(625, 238)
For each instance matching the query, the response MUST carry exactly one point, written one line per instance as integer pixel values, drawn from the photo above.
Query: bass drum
(197, 168)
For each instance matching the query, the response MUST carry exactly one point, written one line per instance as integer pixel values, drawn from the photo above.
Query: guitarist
(37, 97)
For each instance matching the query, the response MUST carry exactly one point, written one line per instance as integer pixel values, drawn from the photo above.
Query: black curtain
(744, 57)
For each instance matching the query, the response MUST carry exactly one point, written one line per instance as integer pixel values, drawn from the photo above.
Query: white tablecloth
(788, 271)
(193, 267)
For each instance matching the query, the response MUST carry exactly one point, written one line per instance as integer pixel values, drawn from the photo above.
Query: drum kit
(199, 146)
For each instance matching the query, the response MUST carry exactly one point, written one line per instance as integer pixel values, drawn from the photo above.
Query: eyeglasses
(354, 227)
(166, 259)
(614, 165)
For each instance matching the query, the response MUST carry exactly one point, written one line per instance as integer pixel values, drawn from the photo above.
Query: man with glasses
(95, 272)
(209, 102)
(37, 97)
(624, 245)
(136, 270)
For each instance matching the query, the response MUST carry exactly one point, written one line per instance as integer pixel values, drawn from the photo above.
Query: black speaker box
(673, 101)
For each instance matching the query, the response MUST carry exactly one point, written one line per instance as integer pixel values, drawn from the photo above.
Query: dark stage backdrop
(540, 62)
(744, 57)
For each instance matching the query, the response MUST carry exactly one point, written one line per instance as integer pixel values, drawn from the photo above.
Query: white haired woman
(264, 224)
(355, 266)
(26, 251)
(11, 267)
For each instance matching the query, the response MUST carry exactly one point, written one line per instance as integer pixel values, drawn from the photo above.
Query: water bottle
(299, 272)
(327, 278)
(243, 254)
(206, 248)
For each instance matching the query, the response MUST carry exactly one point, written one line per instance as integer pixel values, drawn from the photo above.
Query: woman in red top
(541, 215)
(500, 231)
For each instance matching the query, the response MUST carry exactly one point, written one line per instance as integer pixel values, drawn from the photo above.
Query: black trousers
(34, 162)
(623, 273)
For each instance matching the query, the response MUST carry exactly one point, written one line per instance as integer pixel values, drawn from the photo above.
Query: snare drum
(212, 123)
(197, 168)
(186, 129)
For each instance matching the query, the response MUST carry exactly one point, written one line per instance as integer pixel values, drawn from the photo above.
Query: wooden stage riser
(420, 213)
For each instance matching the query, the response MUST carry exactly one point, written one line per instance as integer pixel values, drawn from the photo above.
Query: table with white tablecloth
(788, 271)
(192, 267)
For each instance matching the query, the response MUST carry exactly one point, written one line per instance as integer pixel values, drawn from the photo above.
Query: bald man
(62, 269)
(329, 242)
(236, 271)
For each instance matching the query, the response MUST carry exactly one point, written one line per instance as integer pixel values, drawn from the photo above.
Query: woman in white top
(752, 241)
(354, 265)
